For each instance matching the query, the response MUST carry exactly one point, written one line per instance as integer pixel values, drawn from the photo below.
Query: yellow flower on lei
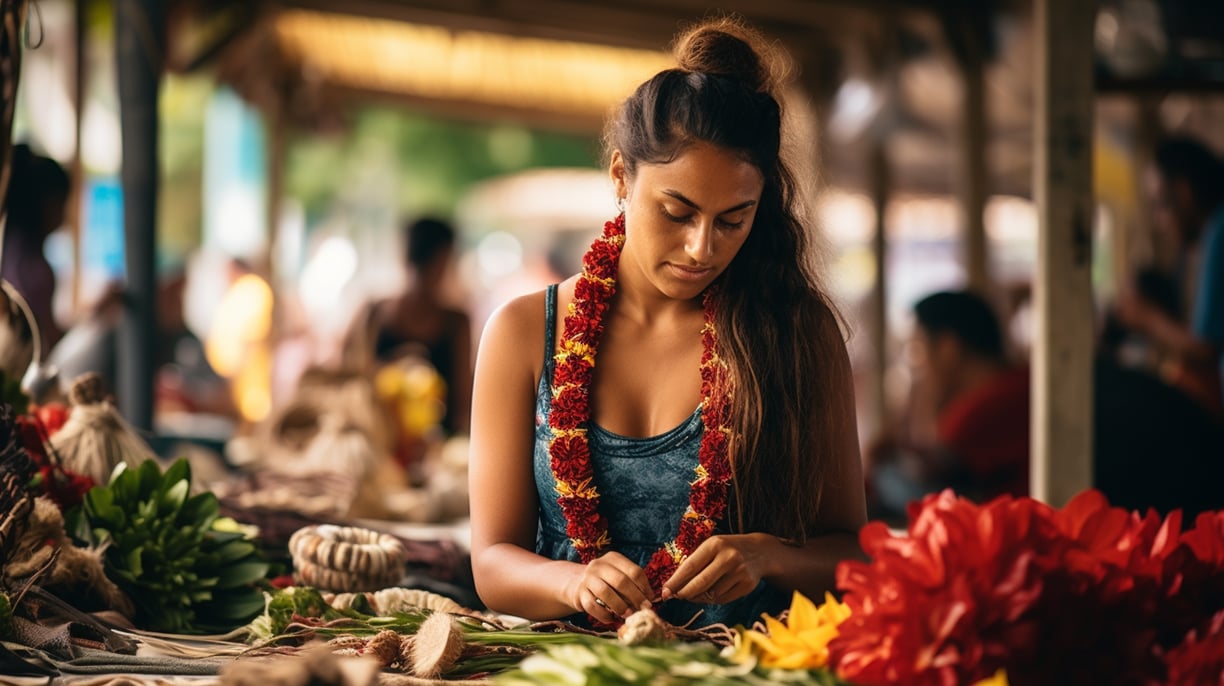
(801, 643)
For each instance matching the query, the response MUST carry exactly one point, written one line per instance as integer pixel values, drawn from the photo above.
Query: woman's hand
(722, 569)
(610, 588)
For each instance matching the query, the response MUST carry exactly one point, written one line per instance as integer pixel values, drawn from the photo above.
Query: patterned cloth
(644, 489)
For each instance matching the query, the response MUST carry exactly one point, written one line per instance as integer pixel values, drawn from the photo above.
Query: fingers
(715, 573)
(613, 587)
(682, 583)
(627, 579)
(604, 610)
(728, 589)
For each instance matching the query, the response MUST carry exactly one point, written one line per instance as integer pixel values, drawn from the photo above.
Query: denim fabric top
(644, 490)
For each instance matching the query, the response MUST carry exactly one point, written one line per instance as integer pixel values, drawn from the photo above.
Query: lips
(690, 273)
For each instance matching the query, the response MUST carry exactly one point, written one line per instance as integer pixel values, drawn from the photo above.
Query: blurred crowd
(1158, 427)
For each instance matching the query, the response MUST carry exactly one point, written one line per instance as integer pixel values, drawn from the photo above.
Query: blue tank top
(644, 489)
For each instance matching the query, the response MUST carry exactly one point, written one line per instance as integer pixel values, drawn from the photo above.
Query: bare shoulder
(514, 333)
(516, 318)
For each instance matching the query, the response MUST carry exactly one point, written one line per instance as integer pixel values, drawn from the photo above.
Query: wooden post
(974, 173)
(139, 52)
(879, 299)
(1062, 364)
(12, 20)
(75, 217)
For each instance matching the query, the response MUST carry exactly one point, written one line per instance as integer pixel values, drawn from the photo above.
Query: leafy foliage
(285, 604)
(11, 393)
(163, 549)
(602, 661)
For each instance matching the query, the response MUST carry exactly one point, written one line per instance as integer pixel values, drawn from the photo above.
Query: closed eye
(678, 219)
(684, 219)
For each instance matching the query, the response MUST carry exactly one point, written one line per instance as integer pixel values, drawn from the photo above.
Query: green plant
(164, 550)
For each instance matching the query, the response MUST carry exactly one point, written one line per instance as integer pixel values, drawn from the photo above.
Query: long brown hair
(779, 332)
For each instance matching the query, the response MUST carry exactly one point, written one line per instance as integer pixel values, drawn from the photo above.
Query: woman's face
(687, 219)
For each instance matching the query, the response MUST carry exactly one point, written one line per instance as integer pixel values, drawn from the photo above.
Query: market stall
(330, 546)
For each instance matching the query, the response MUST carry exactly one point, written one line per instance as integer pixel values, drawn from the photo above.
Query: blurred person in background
(420, 320)
(981, 444)
(35, 206)
(1186, 184)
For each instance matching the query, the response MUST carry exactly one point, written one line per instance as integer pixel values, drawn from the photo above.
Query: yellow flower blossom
(583, 489)
(999, 679)
(801, 643)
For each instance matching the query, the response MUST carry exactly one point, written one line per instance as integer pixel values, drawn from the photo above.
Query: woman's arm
(509, 576)
(729, 567)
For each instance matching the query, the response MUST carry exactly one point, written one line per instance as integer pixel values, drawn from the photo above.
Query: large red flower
(1086, 594)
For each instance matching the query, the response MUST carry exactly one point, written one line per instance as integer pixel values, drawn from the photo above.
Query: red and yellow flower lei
(570, 412)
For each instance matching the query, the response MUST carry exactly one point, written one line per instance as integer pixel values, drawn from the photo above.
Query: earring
(620, 203)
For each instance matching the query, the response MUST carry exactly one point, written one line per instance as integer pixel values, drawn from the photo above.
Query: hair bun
(728, 47)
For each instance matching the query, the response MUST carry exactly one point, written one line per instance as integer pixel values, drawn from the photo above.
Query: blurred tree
(431, 161)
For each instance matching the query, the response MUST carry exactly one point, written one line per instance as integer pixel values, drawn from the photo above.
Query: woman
(597, 489)
(420, 320)
(35, 207)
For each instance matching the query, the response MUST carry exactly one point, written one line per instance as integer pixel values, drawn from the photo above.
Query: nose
(699, 242)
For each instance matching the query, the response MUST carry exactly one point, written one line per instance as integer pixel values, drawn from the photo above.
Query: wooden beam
(880, 184)
(1062, 369)
(602, 25)
(139, 48)
(974, 171)
(642, 25)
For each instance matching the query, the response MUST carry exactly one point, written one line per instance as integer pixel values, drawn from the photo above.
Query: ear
(619, 174)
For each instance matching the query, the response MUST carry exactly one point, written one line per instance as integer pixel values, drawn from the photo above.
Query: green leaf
(172, 498)
(242, 573)
(241, 606)
(233, 551)
(148, 478)
(200, 510)
(124, 484)
(179, 471)
(99, 499)
(133, 560)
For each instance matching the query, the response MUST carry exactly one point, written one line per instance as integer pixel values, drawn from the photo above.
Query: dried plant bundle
(96, 438)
